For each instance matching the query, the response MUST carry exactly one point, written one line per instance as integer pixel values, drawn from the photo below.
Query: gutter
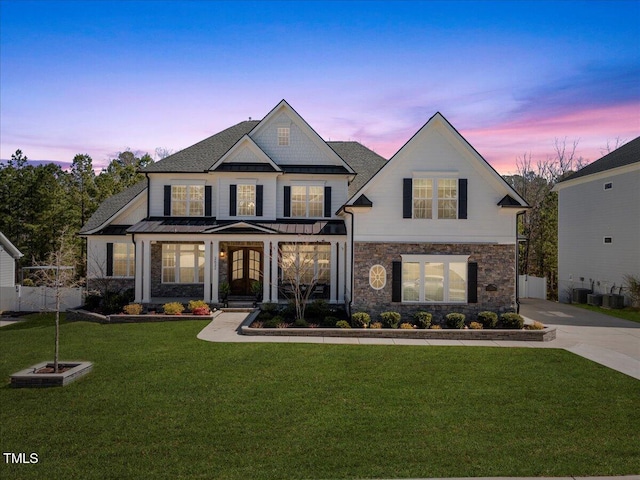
(351, 258)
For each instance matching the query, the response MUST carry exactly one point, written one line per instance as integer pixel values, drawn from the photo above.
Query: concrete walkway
(607, 340)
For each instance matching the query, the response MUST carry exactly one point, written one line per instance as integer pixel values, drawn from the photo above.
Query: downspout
(133, 240)
(352, 263)
(148, 195)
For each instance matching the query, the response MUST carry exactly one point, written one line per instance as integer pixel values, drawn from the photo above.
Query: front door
(245, 267)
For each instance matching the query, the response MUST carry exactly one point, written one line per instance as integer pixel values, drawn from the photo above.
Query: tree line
(40, 205)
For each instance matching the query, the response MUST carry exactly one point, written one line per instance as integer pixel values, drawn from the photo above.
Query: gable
(245, 156)
(305, 145)
(438, 150)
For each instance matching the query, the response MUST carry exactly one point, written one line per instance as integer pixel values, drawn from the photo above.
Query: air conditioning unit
(594, 299)
(612, 301)
(579, 295)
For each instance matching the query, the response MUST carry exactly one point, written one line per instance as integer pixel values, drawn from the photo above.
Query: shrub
(317, 309)
(535, 326)
(92, 301)
(264, 316)
(132, 309)
(273, 322)
(201, 311)
(283, 325)
(633, 287)
(488, 319)
(407, 326)
(376, 325)
(360, 320)
(270, 308)
(512, 320)
(390, 319)
(198, 305)
(301, 322)
(455, 320)
(343, 324)
(329, 321)
(173, 308)
(435, 327)
(114, 302)
(475, 326)
(27, 282)
(257, 324)
(423, 319)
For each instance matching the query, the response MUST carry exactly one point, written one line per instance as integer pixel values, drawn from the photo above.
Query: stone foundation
(496, 268)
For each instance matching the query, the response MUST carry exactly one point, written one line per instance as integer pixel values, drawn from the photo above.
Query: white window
(307, 201)
(283, 136)
(440, 202)
(182, 263)
(187, 200)
(434, 278)
(303, 263)
(246, 200)
(377, 277)
(123, 260)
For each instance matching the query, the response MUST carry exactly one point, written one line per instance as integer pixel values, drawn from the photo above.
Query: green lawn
(627, 313)
(162, 404)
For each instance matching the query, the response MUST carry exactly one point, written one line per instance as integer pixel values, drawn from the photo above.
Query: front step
(237, 309)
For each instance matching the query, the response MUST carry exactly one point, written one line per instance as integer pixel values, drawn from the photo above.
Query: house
(434, 227)
(599, 223)
(9, 254)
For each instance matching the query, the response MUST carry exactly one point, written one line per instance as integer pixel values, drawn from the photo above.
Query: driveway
(610, 341)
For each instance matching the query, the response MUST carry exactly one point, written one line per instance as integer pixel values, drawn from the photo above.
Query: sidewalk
(607, 340)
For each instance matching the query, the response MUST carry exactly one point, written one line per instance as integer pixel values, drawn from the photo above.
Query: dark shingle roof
(363, 161)
(201, 156)
(112, 205)
(625, 155)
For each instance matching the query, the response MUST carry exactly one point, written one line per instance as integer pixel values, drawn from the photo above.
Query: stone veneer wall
(496, 266)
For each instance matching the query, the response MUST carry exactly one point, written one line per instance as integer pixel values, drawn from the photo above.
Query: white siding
(435, 151)
(302, 150)
(97, 253)
(268, 181)
(586, 214)
(159, 180)
(338, 184)
(133, 214)
(7, 269)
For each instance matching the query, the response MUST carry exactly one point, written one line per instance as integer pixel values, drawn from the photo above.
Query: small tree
(57, 272)
(297, 262)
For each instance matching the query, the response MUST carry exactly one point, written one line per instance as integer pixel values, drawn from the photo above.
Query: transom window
(304, 263)
(440, 202)
(246, 200)
(307, 201)
(182, 263)
(187, 200)
(434, 278)
(123, 259)
(283, 136)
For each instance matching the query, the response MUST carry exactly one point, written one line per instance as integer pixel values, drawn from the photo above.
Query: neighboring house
(599, 223)
(9, 254)
(432, 228)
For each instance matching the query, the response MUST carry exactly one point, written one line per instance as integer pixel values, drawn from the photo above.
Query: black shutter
(167, 200)
(259, 197)
(462, 198)
(233, 189)
(472, 282)
(287, 201)
(207, 200)
(407, 197)
(109, 259)
(396, 281)
(327, 201)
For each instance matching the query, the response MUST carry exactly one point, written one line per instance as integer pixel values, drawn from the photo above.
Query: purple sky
(100, 77)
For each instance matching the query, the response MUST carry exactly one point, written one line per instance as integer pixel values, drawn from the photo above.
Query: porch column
(274, 271)
(139, 271)
(333, 283)
(342, 271)
(266, 271)
(207, 271)
(146, 271)
(215, 270)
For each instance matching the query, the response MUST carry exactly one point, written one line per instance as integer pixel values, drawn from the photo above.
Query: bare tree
(612, 145)
(297, 262)
(57, 272)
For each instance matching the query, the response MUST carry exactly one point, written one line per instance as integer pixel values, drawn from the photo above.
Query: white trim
(435, 258)
(384, 273)
(604, 175)
(246, 142)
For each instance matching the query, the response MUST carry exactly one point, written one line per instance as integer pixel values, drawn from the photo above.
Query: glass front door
(245, 267)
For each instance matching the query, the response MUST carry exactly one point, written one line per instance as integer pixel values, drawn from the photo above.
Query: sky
(100, 77)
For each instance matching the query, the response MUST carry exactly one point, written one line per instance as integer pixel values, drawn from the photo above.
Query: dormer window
(283, 136)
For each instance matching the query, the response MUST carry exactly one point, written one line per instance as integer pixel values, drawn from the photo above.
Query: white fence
(532, 287)
(35, 299)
